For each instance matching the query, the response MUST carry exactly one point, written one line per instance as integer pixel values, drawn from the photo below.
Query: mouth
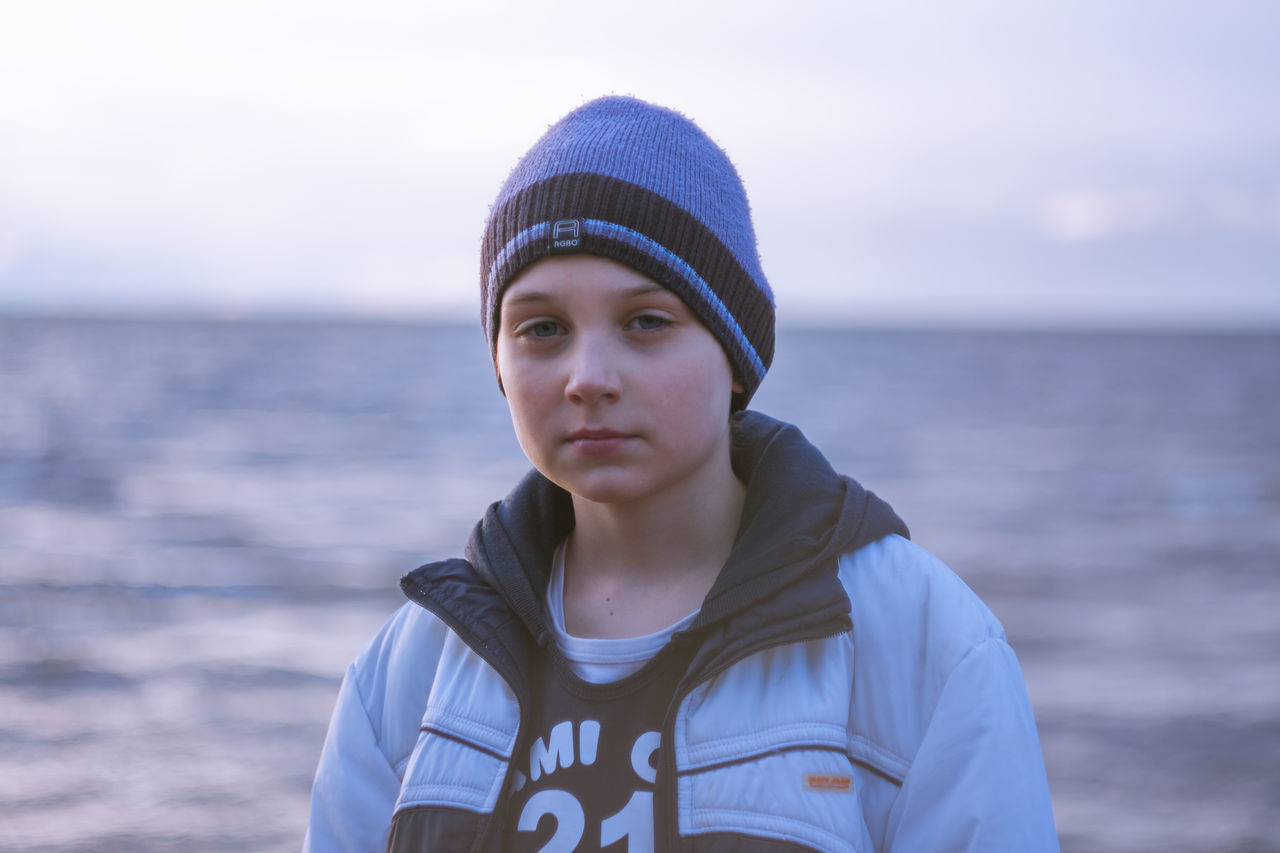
(592, 441)
(589, 434)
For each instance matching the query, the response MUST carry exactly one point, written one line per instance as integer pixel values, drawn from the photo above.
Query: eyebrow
(645, 289)
(542, 296)
(528, 296)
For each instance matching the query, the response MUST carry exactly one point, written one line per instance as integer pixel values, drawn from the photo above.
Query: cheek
(525, 419)
(522, 400)
(500, 363)
(528, 401)
(693, 396)
(511, 378)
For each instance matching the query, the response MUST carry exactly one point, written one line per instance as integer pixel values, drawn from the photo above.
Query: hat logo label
(565, 234)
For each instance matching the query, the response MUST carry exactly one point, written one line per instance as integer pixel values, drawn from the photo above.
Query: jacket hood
(798, 517)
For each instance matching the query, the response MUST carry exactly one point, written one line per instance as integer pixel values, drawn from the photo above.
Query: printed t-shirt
(586, 765)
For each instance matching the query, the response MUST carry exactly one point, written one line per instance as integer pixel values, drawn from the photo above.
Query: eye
(540, 329)
(650, 322)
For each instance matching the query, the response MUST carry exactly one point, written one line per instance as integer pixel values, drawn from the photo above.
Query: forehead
(572, 278)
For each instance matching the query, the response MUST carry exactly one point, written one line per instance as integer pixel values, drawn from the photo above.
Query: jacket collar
(799, 516)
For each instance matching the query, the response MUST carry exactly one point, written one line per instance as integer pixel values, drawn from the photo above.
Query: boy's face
(617, 391)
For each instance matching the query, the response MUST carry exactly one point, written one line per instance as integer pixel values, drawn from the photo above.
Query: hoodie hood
(798, 517)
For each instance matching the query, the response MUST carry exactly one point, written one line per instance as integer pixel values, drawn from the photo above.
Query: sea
(203, 521)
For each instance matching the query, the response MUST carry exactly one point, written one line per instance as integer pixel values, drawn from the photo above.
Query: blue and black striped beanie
(644, 186)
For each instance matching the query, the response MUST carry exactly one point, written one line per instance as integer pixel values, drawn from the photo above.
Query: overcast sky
(998, 161)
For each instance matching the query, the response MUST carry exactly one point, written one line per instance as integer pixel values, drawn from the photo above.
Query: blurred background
(1027, 260)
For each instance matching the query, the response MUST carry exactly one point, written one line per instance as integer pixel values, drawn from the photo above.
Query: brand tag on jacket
(831, 783)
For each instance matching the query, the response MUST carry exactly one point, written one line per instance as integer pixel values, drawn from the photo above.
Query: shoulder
(918, 631)
(402, 635)
(394, 672)
(896, 586)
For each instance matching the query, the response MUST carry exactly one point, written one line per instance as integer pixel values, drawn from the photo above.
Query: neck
(664, 536)
(631, 569)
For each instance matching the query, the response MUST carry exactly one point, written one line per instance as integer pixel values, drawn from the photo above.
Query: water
(201, 523)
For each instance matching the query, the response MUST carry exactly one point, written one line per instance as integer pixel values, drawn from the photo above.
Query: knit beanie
(644, 186)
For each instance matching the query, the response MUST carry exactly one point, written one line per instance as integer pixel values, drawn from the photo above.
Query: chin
(605, 489)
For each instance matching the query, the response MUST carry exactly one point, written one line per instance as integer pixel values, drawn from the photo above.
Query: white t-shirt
(597, 660)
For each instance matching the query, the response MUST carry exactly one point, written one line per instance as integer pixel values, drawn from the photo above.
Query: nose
(593, 371)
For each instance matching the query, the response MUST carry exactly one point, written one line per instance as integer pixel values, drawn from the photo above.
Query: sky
(998, 162)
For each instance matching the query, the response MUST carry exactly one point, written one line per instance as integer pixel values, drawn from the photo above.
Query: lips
(597, 441)
(588, 434)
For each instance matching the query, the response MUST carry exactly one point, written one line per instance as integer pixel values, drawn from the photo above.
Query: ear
(737, 386)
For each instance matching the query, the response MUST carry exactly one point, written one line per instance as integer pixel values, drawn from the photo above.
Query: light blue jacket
(921, 706)
(873, 705)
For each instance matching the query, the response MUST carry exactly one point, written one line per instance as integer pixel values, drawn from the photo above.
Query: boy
(683, 630)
